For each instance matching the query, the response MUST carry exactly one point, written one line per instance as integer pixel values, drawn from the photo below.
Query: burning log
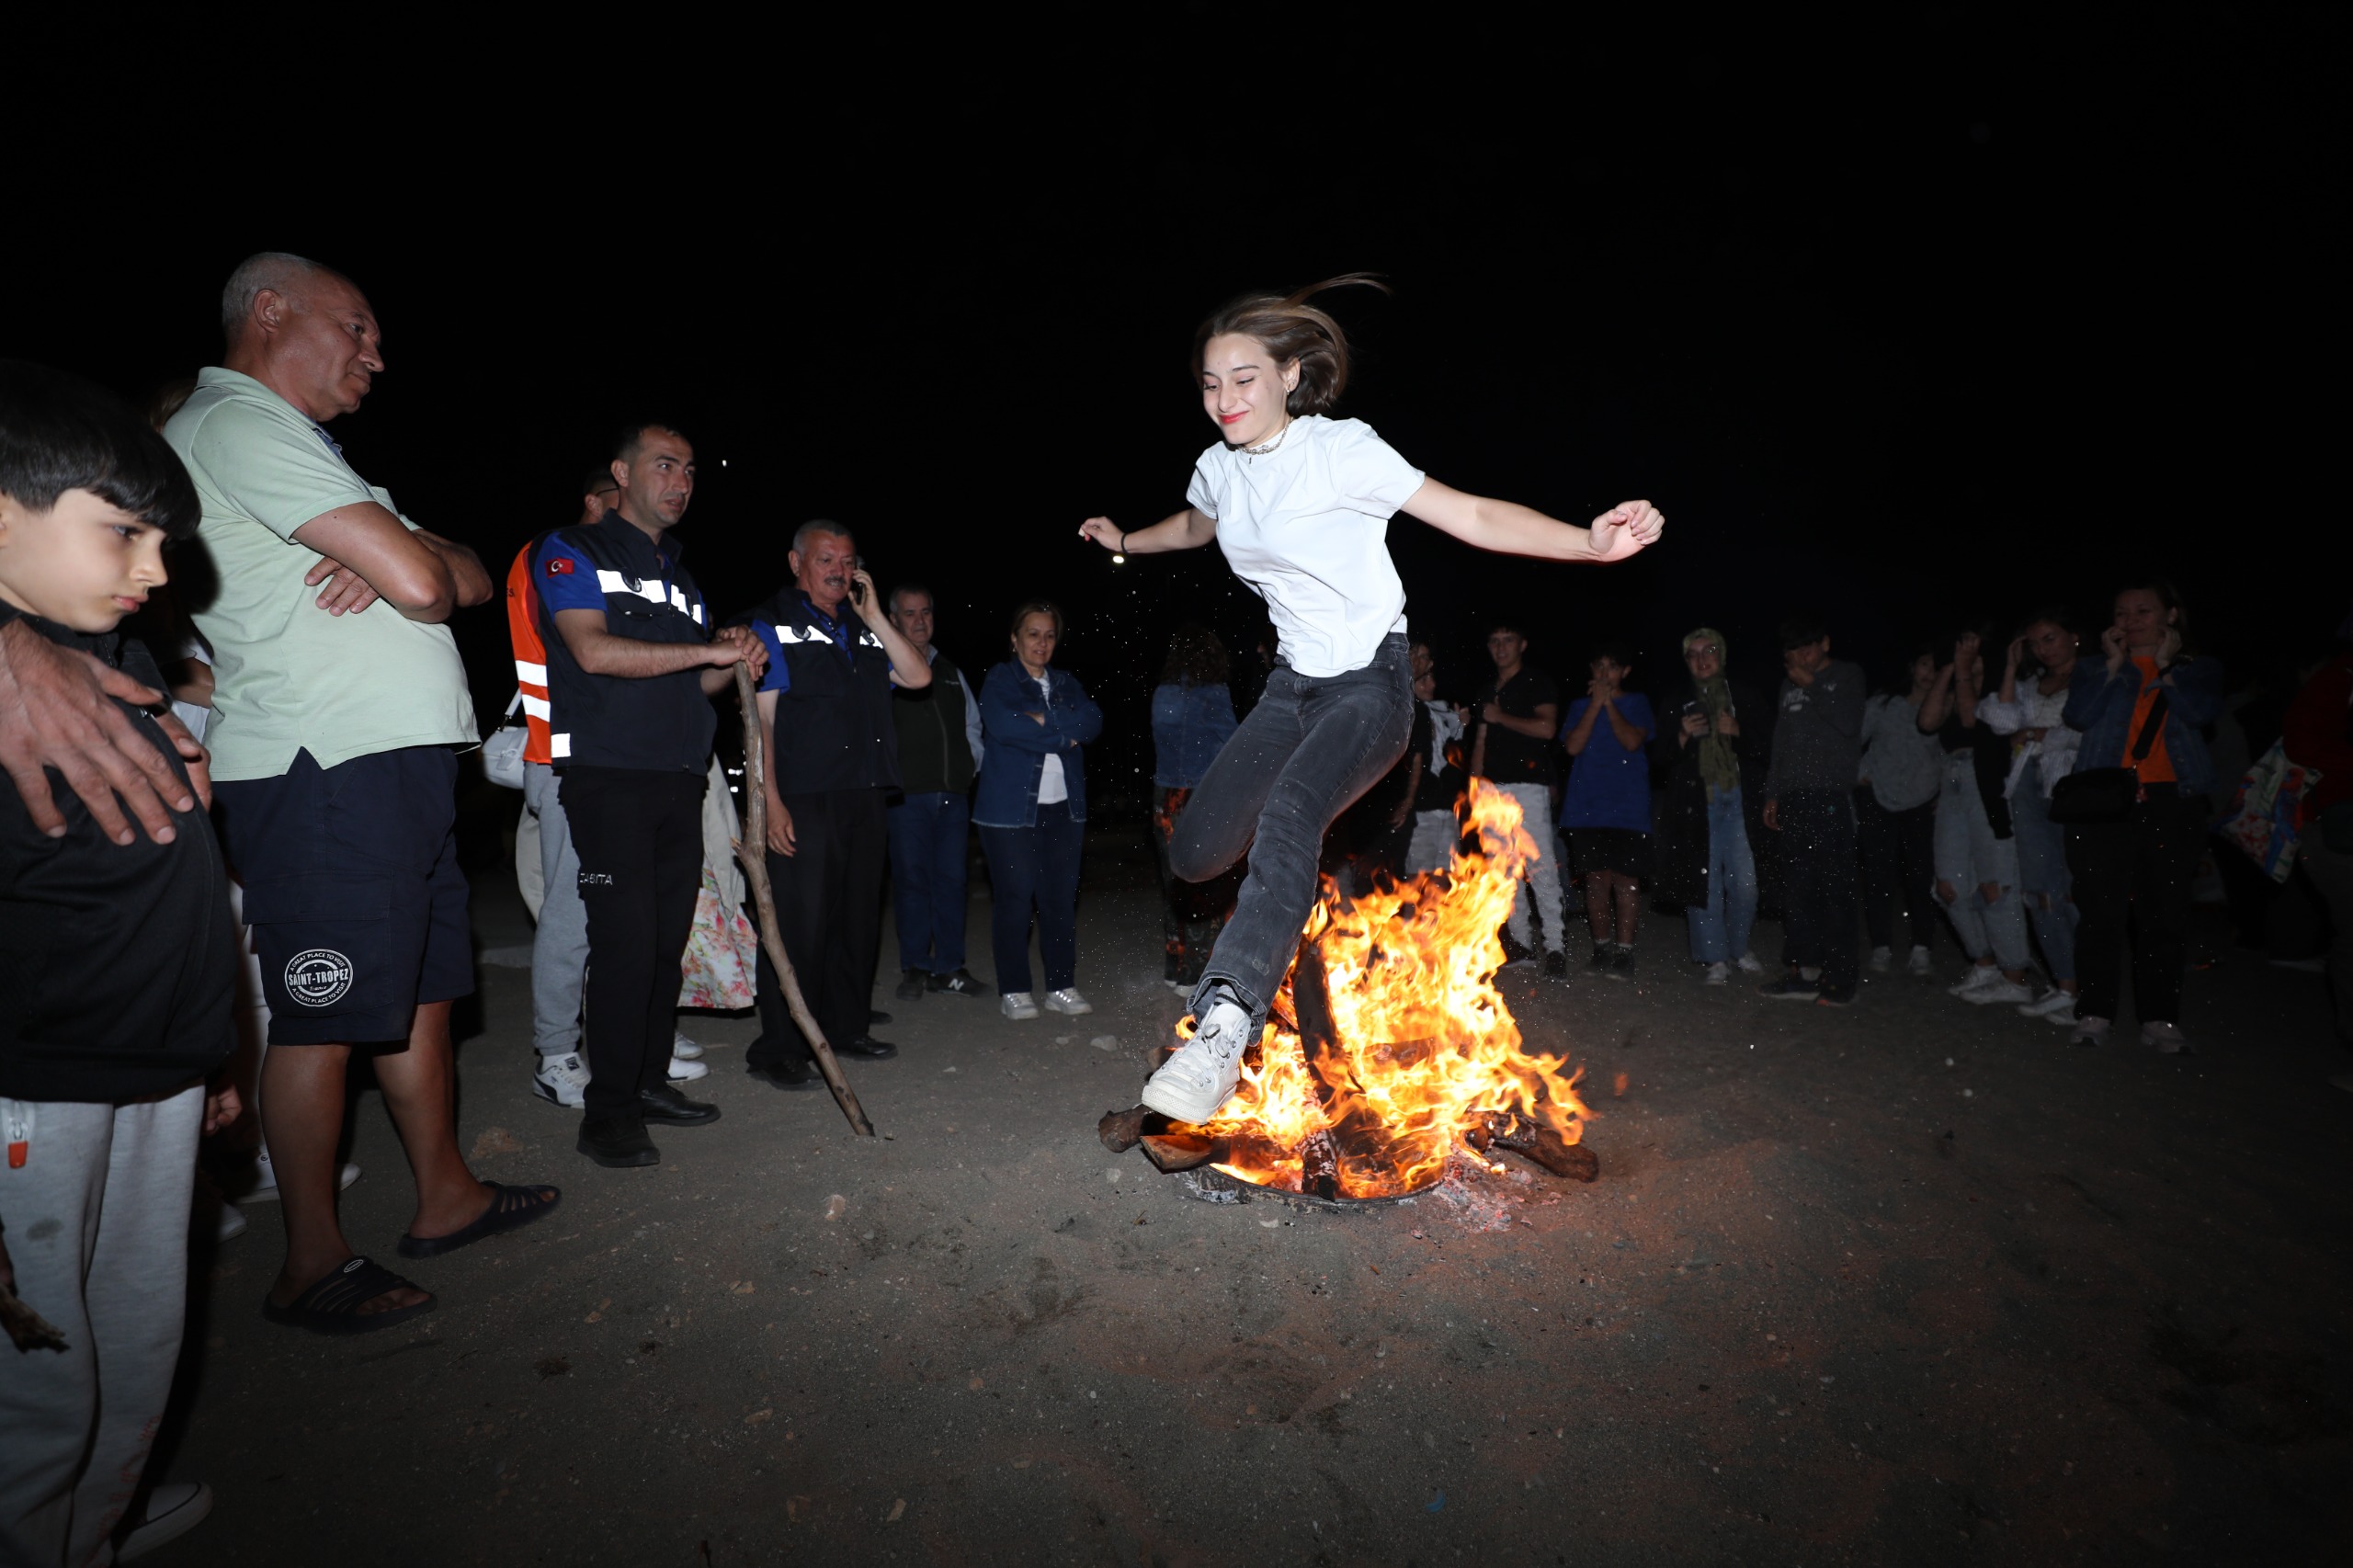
(1539, 1143)
(1173, 1151)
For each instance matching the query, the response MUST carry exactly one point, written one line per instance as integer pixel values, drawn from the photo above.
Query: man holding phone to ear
(833, 755)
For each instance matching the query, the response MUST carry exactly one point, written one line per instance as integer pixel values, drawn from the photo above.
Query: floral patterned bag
(720, 953)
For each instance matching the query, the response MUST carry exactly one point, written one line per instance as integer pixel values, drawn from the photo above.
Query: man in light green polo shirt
(339, 700)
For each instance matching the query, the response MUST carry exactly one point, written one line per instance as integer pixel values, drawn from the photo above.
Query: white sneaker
(683, 1050)
(2057, 1005)
(231, 1223)
(2089, 1032)
(1882, 959)
(1067, 1001)
(1980, 976)
(1918, 964)
(561, 1080)
(1192, 1084)
(2167, 1038)
(1717, 975)
(1018, 1005)
(1999, 989)
(265, 1187)
(1748, 963)
(684, 1071)
(173, 1509)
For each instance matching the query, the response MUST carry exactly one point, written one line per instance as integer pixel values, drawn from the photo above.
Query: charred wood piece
(1173, 1151)
(1536, 1141)
(1121, 1129)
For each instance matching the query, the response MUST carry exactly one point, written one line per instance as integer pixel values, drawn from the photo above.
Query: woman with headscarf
(1713, 739)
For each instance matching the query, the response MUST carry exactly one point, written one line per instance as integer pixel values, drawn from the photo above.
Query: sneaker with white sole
(1980, 976)
(1882, 959)
(561, 1080)
(1192, 1084)
(172, 1510)
(1999, 988)
(1749, 963)
(1920, 962)
(682, 1071)
(264, 1187)
(683, 1050)
(2167, 1038)
(1717, 974)
(1067, 1001)
(2089, 1032)
(2057, 1005)
(1018, 1006)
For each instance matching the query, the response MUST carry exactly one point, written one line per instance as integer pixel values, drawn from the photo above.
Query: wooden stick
(752, 851)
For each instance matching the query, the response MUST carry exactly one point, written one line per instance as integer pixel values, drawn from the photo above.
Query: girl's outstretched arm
(1509, 529)
(1188, 529)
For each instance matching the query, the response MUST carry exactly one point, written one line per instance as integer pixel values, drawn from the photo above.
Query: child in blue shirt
(1607, 809)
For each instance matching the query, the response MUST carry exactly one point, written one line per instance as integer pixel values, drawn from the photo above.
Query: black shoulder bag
(2107, 794)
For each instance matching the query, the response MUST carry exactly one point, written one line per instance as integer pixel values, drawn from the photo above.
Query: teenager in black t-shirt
(1515, 721)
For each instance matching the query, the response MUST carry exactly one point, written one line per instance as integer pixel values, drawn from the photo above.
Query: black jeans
(1035, 867)
(829, 914)
(638, 836)
(1818, 872)
(2132, 880)
(1309, 748)
(1899, 858)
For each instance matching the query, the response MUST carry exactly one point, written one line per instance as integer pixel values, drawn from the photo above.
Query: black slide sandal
(331, 1305)
(510, 1209)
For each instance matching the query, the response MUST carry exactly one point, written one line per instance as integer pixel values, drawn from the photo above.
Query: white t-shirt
(1307, 527)
(1053, 787)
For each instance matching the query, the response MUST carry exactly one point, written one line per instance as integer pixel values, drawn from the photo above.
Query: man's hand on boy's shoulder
(56, 712)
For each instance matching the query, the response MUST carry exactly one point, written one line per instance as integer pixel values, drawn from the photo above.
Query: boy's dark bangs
(59, 432)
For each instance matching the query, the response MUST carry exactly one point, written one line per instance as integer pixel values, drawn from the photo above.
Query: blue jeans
(2043, 873)
(1035, 867)
(928, 880)
(1719, 928)
(1310, 747)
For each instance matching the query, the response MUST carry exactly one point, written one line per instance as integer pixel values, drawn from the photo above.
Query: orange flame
(1424, 1049)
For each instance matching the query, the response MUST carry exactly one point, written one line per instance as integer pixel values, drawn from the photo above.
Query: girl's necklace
(1263, 447)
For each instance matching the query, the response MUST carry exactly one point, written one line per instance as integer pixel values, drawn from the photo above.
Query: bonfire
(1390, 1051)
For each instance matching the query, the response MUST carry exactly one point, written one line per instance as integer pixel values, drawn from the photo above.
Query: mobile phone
(857, 588)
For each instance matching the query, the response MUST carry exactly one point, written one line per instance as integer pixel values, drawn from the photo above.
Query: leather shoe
(910, 987)
(959, 983)
(866, 1045)
(618, 1142)
(667, 1105)
(787, 1075)
(876, 1016)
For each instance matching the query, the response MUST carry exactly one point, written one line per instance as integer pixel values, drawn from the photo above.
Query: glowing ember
(1409, 1051)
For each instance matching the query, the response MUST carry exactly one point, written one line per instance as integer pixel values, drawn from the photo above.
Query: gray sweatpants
(97, 1225)
(1432, 845)
(1539, 903)
(560, 951)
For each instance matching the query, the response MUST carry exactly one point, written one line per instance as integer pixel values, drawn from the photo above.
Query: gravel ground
(1912, 1282)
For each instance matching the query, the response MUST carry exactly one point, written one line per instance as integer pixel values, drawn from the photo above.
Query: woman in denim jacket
(2141, 865)
(1031, 811)
(1192, 717)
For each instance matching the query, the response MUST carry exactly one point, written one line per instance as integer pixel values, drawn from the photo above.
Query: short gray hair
(279, 271)
(898, 596)
(815, 525)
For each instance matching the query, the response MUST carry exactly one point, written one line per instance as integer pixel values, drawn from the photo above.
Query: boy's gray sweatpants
(97, 1222)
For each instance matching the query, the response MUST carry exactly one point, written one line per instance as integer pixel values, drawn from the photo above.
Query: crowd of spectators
(277, 850)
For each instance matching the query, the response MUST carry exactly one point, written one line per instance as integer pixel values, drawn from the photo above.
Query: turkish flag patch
(560, 566)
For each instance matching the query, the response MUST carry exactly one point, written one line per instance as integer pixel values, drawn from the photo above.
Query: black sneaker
(1834, 999)
(1514, 954)
(618, 1142)
(1556, 963)
(801, 1074)
(911, 986)
(1602, 958)
(1621, 964)
(1792, 988)
(876, 1016)
(959, 983)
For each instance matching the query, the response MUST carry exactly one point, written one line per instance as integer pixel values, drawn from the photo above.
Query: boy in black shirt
(116, 967)
(1517, 721)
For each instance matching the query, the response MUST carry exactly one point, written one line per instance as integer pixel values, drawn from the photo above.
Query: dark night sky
(1938, 320)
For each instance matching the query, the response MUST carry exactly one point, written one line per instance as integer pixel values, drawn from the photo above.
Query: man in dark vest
(631, 668)
(938, 728)
(833, 756)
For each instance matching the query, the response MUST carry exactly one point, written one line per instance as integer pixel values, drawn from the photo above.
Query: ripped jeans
(1968, 858)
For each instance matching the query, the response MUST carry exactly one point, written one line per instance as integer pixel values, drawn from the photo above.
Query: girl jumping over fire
(1301, 505)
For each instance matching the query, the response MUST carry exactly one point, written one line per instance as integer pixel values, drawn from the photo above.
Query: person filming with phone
(833, 758)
